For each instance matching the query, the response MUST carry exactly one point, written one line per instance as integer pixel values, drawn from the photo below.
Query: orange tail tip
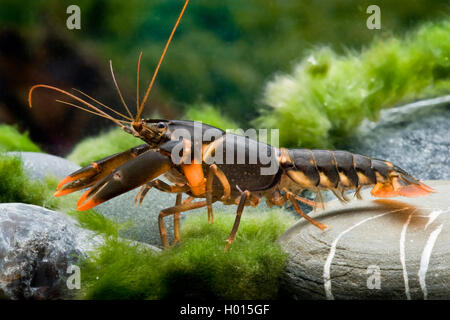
(426, 188)
(384, 190)
(414, 190)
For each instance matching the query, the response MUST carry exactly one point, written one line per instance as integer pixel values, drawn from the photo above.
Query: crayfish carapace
(201, 177)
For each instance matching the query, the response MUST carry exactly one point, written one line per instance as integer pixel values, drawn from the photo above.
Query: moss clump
(95, 221)
(16, 186)
(209, 115)
(103, 145)
(324, 100)
(199, 267)
(12, 140)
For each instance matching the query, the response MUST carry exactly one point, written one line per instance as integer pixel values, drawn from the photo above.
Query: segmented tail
(400, 184)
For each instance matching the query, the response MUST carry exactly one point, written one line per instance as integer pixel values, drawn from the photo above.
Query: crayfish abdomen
(342, 170)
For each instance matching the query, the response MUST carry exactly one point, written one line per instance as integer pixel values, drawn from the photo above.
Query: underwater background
(228, 65)
(312, 69)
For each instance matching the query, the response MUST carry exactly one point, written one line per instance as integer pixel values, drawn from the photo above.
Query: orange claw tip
(60, 193)
(88, 205)
(83, 205)
(64, 181)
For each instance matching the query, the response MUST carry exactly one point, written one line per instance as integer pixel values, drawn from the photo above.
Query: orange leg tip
(319, 225)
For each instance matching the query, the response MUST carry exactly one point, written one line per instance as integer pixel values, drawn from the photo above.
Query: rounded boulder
(376, 248)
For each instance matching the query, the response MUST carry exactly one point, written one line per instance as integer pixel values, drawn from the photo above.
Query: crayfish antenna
(149, 88)
(102, 104)
(94, 109)
(137, 82)
(118, 90)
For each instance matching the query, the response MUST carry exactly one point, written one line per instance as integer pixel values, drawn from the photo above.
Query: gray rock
(36, 248)
(415, 137)
(39, 165)
(396, 248)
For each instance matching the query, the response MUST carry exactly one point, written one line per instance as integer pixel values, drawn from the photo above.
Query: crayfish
(195, 166)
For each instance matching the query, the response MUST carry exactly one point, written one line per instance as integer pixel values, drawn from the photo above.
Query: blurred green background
(221, 60)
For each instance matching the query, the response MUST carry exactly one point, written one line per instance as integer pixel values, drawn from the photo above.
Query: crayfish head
(153, 133)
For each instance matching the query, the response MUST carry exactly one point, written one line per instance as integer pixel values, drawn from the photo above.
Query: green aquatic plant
(94, 221)
(12, 140)
(198, 267)
(327, 95)
(16, 186)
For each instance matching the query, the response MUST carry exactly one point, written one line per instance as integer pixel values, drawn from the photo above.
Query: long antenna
(137, 82)
(118, 89)
(87, 104)
(141, 107)
(102, 104)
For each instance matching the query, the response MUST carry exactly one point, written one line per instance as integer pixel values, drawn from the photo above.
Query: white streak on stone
(425, 259)
(327, 266)
(434, 214)
(402, 256)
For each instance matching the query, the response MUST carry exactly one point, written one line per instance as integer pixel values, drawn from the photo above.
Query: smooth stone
(376, 248)
(36, 248)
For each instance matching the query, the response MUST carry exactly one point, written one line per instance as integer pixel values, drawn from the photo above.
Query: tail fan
(402, 184)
